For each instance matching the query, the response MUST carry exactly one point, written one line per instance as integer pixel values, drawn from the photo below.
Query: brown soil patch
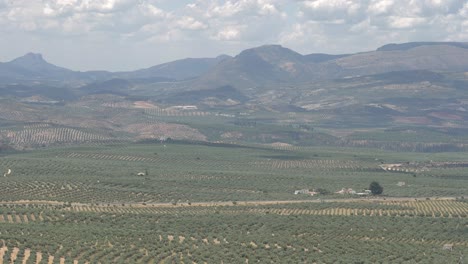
(27, 254)
(232, 135)
(280, 144)
(32, 202)
(181, 239)
(445, 116)
(38, 257)
(50, 260)
(2, 253)
(14, 255)
(412, 120)
(144, 105)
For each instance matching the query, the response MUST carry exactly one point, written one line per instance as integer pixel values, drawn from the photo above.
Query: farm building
(346, 191)
(365, 193)
(448, 247)
(305, 191)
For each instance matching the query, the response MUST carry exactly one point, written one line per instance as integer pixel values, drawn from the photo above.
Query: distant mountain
(113, 86)
(33, 66)
(252, 69)
(432, 57)
(411, 45)
(321, 57)
(261, 66)
(34, 62)
(275, 65)
(401, 77)
(177, 70)
(398, 85)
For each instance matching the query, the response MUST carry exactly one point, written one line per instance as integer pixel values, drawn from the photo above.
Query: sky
(120, 35)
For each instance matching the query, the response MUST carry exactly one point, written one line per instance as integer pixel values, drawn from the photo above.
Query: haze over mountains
(269, 64)
(255, 73)
(280, 92)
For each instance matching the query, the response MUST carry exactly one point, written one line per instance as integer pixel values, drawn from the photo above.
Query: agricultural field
(301, 233)
(197, 202)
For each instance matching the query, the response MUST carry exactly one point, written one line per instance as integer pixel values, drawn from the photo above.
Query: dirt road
(233, 203)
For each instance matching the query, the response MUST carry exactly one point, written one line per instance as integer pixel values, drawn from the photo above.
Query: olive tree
(375, 188)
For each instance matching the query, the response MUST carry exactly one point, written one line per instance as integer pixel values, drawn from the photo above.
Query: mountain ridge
(256, 67)
(410, 85)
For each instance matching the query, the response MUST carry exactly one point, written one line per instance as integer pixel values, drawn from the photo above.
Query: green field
(223, 203)
(181, 172)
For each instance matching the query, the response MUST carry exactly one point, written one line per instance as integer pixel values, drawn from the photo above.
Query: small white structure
(305, 191)
(448, 247)
(365, 193)
(390, 167)
(401, 183)
(346, 191)
(141, 174)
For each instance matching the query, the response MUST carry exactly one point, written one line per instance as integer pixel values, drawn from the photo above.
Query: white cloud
(229, 34)
(190, 23)
(210, 26)
(302, 37)
(151, 11)
(379, 7)
(247, 7)
(322, 10)
(405, 22)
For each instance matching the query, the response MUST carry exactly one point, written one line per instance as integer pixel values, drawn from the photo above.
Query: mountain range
(264, 94)
(260, 66)
(272, 75)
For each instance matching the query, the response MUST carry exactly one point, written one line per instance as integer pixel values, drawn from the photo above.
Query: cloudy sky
(132, 34)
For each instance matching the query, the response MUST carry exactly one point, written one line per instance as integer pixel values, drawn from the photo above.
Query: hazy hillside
(32, 67)
(178, 70)
(422, 57)
(256, 67)
(410, 45)
(268, 65)
(265, 94)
